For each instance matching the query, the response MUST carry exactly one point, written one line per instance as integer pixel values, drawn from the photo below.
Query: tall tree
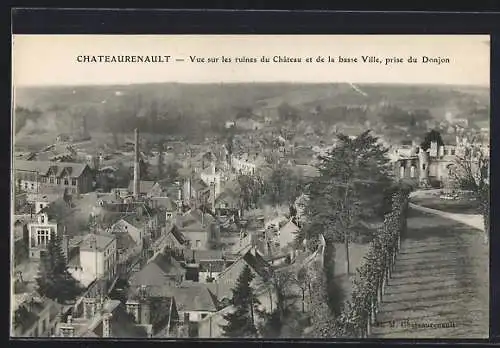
(283, 186)
(242, 322)
(248, 190)
(53, 279)
(353, 180)
(430, 137)
(282, 285)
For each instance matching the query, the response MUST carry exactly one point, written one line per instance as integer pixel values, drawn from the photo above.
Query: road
(472, 220)
(441, 280)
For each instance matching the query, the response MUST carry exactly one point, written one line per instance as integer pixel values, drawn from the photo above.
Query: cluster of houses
(152, 259)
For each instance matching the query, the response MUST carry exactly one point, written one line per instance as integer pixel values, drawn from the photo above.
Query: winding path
(440, 287)
(472, 220)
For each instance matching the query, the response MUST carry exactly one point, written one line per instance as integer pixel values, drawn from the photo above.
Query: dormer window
(42, 219)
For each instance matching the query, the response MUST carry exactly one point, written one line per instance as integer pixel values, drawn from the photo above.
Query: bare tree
(471, 172)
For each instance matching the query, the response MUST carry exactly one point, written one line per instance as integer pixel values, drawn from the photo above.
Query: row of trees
(359, 313)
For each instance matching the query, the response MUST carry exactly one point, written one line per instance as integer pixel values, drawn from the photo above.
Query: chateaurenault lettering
(122, 59)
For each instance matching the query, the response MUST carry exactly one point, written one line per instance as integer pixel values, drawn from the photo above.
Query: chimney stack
(106, 325)
(136, 166)
(212, 194)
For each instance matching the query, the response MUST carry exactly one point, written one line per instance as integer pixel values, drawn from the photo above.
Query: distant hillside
(194, 109)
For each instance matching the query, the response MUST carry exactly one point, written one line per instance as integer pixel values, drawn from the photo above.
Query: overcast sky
(51, 59)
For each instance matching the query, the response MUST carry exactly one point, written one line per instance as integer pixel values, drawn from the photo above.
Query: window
(44, 179)
(25, 185)
(66, 181)
(42, 219)
(412, 172)
(423, 166)
(445, 152)
(453, 152)
(51, 180)
(198, 243)
(41, 206)
(58, 181)
(203, 316)
(32, 186)
(73, 182)
(43, 237)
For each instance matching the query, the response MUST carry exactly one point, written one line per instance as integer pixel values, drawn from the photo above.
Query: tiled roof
(178, 234)
(96, 241)
(199, 185)
(75, 170)
(188, 296)
(135, 220)
(258, 264)
(158, 272)
(150, 275)
(168, 265)
(124, 241)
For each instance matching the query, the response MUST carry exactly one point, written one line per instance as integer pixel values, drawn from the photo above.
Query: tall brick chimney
(137, 188)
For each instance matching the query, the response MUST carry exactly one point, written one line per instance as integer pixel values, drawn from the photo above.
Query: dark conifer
(241, 322)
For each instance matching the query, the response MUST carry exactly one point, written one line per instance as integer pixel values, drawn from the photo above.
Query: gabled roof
(158, 272)
(168, 264)
(96, 241)
(188, 296)
(57, 168)
(124, 241)
(150, 275)
(135, 220)
(258, 264)
(228, 196)
(199, 185)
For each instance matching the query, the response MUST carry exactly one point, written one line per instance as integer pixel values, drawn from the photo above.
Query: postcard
(250, 186)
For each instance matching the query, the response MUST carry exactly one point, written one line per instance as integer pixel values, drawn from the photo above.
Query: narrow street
(440, 287)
